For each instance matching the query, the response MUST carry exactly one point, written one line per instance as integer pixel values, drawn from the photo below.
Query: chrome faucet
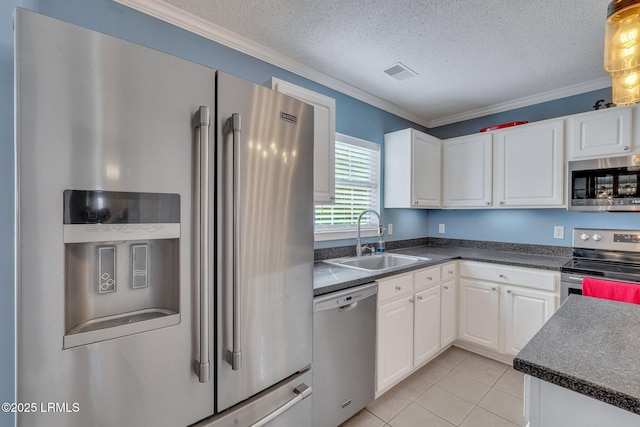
(380, 230)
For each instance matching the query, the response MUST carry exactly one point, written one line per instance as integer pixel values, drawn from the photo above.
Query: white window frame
(366, 229)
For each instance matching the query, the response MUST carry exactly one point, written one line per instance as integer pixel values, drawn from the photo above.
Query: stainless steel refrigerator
(164, 238)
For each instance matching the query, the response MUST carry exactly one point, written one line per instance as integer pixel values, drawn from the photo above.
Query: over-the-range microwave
(609, 184)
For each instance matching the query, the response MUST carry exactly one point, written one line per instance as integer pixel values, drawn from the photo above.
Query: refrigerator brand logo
(288, 117)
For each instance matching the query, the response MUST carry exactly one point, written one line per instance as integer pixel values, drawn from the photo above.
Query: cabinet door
(426, 341)
(448, 313)
(324, 138)
(479, 313)
(411, 170)
(425, 167)
(467, 171)
(394, 347)
(526, 310)
(600, 133)
(529, 165)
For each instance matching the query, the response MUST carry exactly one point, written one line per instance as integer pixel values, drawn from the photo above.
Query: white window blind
(357, 173)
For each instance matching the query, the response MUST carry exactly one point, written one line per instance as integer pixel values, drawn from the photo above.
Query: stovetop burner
(605, 269)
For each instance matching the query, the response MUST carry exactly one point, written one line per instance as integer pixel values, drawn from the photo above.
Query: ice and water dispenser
(121, 264)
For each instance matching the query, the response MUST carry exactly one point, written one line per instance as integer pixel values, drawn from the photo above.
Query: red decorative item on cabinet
(503, 125)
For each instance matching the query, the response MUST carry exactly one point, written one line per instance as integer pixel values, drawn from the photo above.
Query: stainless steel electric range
(604, 254)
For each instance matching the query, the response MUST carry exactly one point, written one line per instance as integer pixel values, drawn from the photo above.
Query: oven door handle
(575, 278)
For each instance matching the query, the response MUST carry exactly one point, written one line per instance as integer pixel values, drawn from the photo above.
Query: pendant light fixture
(622, 50)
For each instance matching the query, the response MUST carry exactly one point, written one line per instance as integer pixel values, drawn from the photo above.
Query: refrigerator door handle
(234, 355)
(201, 121)
(302, 392)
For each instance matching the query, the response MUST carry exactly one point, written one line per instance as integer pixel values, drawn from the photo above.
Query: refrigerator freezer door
(97, 113)
(265, 232)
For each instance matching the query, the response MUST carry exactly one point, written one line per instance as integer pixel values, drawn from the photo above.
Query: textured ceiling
(469, 54)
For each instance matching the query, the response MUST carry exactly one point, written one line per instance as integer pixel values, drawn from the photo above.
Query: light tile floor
(458, 388)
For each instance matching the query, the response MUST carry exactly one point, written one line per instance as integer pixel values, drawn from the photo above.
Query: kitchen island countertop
(330, 278)
(590, 346)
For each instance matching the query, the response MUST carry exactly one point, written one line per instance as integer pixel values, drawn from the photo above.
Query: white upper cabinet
(324, 138)
(601, 133)
(529, 165)
(412, 166)
(467, 171)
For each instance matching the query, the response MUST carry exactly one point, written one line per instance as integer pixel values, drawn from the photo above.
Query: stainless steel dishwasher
(344, 348)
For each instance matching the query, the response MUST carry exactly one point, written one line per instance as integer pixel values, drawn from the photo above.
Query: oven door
(571, 283)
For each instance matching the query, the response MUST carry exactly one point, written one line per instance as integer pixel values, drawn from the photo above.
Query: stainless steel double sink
(380, 262)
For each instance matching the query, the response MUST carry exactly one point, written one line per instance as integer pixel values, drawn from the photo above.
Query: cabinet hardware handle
(450, 271)
(493, 289)
(509, 291)
(411, 301)
(446, 287)
(430, 278)
(502, 202)
(420, 298)
(502, 276)
(398, 288)
(488, 203)
(626, 148)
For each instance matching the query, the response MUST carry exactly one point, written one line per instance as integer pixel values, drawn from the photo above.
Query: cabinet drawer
(520, 276)
(395, 287)
(448, 271)
(427, 278)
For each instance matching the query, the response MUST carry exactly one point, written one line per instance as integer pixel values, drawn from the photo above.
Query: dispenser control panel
(96, 216)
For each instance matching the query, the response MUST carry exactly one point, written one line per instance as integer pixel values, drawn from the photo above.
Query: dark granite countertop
(590, 346)
(330, 278)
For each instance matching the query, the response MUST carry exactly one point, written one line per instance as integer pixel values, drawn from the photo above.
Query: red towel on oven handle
(607, 289)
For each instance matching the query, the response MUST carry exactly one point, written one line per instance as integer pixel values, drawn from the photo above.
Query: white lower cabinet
(411, 316)
(479, 313)
(448, 313)
(526, 310)
(502, 307)
(394, 355)
(426, 324)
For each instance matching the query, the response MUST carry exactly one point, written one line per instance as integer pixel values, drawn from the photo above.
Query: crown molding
(187, 21)
(551, 95)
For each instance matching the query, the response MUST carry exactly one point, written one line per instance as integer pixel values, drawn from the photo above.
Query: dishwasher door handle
(348, 307)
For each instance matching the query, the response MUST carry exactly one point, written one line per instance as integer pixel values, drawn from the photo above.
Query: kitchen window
(357, 174)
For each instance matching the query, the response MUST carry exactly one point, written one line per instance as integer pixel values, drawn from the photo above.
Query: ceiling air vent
(399, 71)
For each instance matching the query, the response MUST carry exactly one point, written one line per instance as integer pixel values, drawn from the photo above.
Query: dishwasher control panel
(343, 298)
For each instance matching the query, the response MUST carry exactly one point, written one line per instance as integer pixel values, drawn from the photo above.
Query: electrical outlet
(441, 228)
(389, 229)
(558, 232)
